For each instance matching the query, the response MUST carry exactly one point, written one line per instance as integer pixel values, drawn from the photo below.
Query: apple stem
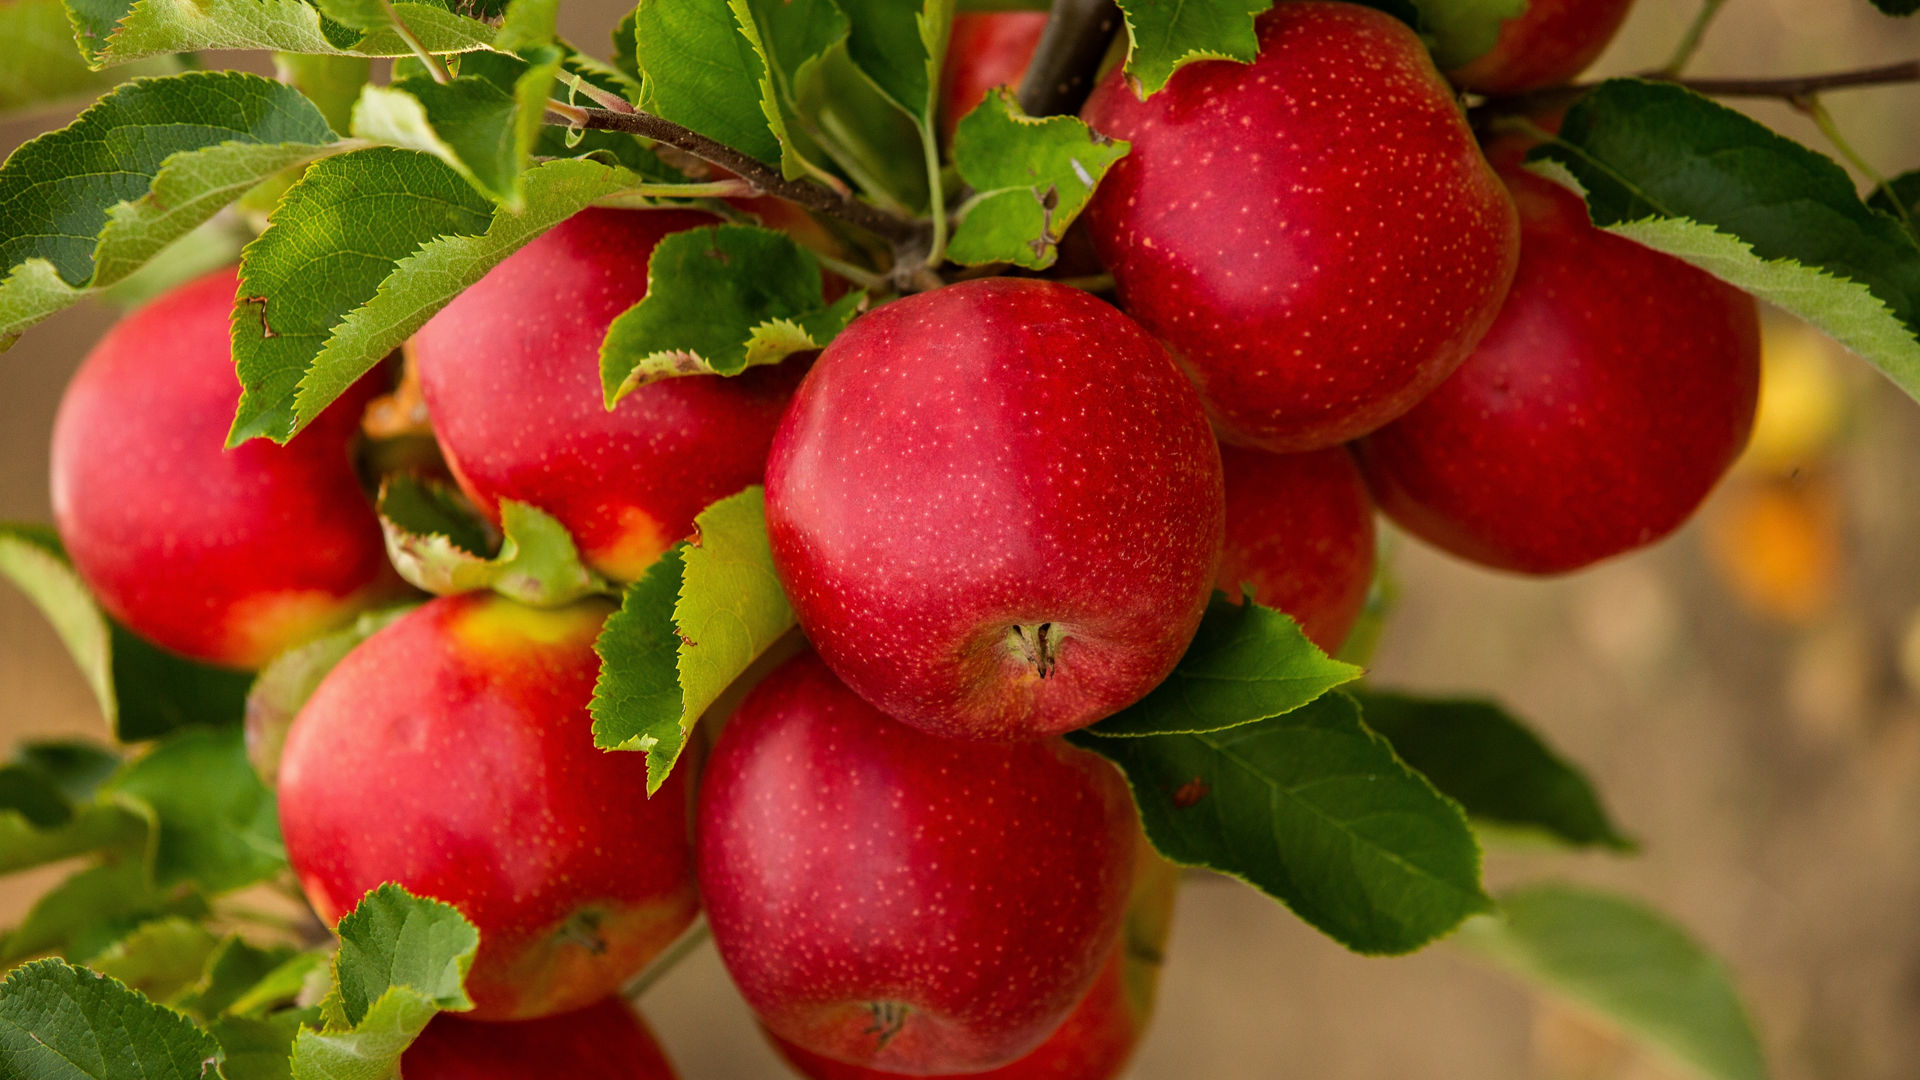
(1690, 41)
(888, 1018)
(683, 947)
(1068, 57)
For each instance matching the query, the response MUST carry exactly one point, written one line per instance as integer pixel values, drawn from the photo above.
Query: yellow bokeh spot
(1802, 400)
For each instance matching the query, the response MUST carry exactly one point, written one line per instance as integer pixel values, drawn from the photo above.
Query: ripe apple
(1098, 1038)
(511, 375)
(451, 752)
(1314, 235)
(1551, 43)
(1614, 391)
(1300, 531)
(225, 556)
(996, 508)
(987, 49)
(886, 898)
(604, 1041)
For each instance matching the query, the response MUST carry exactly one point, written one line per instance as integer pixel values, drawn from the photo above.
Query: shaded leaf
(117, 31)
(214, 824)
(433, 547)
(39, 63)
(285, 684)
(94, 907)
(1314, 810)
(159, 958)
(1031, 179)
(1632, 966)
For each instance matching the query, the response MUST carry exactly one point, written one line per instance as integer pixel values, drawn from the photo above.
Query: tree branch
(1790, 88)
(1068, 56)
(812, 196)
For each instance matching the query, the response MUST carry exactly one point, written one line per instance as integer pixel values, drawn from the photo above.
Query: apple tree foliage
(365, 206)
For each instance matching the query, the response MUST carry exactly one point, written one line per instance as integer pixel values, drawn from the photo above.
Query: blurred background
(1746, 696)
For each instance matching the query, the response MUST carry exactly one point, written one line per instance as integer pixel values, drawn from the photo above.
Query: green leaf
(92, 202)
(332, 83)
(685, 631)
(160, 958)
(117, 31)
(1667, 168)
(486, 133)
(438, 548)
(1460, 31)
(1031, 179)
(42, 66)
(1495, 768)
(401, 961)
(873, 142)
(142, 691)
(47, 808)
(285, 684)
(236, 973)
(260, 1048)
(93, 908)
(1314, 810)
(1897, 7)
(1247, 663)
(719, 300)
(1163, 36)
(360, 254)
(1901, 200)
(214, 824)
(1633, 967)
(901, 47)
(703, 73)
(59, 1022)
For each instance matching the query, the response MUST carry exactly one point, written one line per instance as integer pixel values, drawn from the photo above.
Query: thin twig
(1690, 41)
(682, 948)
(1789, 88)
(812, 196)
(1823, 119)
(1068, 56)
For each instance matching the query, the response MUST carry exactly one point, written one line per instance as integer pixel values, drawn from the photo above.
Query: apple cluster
(999, 509)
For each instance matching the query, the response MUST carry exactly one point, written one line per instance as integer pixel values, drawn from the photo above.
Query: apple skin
(997, 509)
(511, 375)
(886, 898)
(224, 556)
(986, 49)
(1613, 393)
(1300, 531)
(1315, 235)
(1549, 44)
(604, 1041)
(452, 753)
(1098, 1038)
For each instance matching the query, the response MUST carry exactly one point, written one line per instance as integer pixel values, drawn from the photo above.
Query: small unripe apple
(997, 509)
(1614, 391)
(604, 1041)
(886, 898)
(1553, 41)
(452, 753)
(511, 374)
(1300, 531)
(1098, 1038)
(1314, 235)
(225, 556)
(987, 49)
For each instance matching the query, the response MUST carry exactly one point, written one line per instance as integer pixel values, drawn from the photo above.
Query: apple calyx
(1038, 645)
(582, 928)
(888, 1018)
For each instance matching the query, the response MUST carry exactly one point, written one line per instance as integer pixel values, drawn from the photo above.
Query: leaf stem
(1690, 41)
(859, 275)
(936, 194)
(682, 948)
(1068, 56)
(436, 67)
(1813, 107)
(606, 99)
(813, 196)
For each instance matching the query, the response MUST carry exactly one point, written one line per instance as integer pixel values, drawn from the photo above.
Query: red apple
(511, 374)
(997, 509)
(886, 898)
(1551, 43)
(1314, 235)
(987, 49)
(605, 1041)
(1300, 531)
(226, 556)
(452, 753)
(1098, 1038)
(1614, 391)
